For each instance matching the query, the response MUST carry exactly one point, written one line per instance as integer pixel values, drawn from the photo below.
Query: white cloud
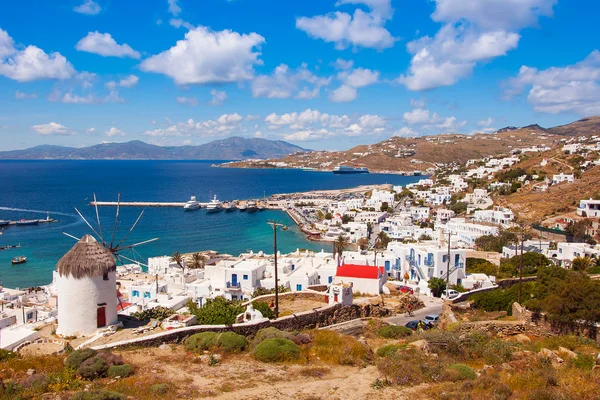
(31, 63)
(432, 122)
(178, 23)
(114, 132)
(103, 44)
(313, 125)
(343, 94)
(71, 98)
(24, 96)
(128, 82)
(486, 123)
(218, 97)
(405, 131)
(381, 7)
(90, 130)
(571, 89)
(285, 82)
(51, 128)
(89, 7)
(226, 124)
(206, 56)
(362, 29)
(473, 32)
(259, 134)
(414, 103)
(189, 101)
(343, 64)
(504, 15)
(174, 8)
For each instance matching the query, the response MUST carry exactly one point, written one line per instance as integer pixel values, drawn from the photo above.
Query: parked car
(412, 324)
(406, 289)
(432, 318)
(452, 294)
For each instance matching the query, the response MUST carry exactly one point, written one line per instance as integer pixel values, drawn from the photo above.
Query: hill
(420, 153)
(234, 148)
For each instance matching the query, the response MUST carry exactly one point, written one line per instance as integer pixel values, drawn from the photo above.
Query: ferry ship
(344, 169)
(23, 221)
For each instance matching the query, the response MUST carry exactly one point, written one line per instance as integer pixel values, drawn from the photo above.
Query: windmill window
(105, 276)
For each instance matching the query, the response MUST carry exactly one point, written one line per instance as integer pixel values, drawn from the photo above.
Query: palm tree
(340, 244)
(178, 258)
(369, 229)
(197, 261)
(382, 240)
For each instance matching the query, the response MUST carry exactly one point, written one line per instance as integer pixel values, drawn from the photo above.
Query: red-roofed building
(364, 278)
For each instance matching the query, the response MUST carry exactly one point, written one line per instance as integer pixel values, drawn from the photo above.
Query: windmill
(115, 246)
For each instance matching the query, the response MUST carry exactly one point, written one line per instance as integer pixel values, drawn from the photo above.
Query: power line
(275, 225)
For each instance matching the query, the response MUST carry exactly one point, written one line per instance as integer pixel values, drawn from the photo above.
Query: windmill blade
(71, 236)
(85, 220)
(98, 219)
(133, 261)
(131, 246)
(130, 230)
(116, 220)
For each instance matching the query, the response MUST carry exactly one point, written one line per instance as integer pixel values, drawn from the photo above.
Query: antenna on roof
(115, 250)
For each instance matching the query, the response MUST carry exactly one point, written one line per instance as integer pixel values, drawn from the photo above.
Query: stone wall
(316, 318)
(499, 328)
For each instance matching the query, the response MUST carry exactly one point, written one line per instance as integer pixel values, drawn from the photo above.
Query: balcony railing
(233, 285)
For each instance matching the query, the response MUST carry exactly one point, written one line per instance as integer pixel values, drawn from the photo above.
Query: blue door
(387, 265)
(298, 288)
(234, 281)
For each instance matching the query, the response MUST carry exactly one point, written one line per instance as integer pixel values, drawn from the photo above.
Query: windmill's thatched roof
(86, 259)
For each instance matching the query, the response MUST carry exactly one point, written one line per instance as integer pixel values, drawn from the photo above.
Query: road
(432, 306)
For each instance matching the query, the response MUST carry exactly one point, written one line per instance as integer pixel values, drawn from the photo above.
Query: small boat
(252, 206)
(4, 222)
(192, 204)
(28, 222)
(214, 205)
(242, 207)
(229, 207)
(261, 208)
(19, 260)
(284, 228)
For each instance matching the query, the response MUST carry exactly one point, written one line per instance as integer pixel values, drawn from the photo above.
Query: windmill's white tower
(86, 289)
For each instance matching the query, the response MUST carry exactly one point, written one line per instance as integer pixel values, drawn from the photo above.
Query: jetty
(140, 204)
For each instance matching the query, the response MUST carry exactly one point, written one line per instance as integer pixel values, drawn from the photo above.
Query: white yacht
(251, 204)
(214, 205)
(193, 204)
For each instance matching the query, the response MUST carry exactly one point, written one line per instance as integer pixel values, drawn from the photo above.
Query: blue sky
(324, 74)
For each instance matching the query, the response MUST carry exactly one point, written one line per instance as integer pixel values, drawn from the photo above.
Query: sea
(31, 189)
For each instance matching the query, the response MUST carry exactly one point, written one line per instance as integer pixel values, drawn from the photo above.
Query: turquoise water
(30, 188)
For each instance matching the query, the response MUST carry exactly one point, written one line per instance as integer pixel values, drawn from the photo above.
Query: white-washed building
(589, 208)
(498, 215)
(467, 232)
(562, 177)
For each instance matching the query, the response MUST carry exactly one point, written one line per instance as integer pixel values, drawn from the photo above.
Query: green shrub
(5, 355)
(387, 350)
(583, 361)
(277, 350)
(159, 388)
(269, 333)
(264, 308)
(465, 371)
(394, 332)
(76, 358)
(218, 311)
(122, 371)
(201, 341)
(98, 395)
(231, 342)
(93, 368)
(158, 313)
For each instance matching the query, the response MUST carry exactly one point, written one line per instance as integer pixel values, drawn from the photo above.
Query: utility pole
(275, 225)
(521, 263)
(448, 267)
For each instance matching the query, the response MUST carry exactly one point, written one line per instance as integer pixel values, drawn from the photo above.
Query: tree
(459, 207)
(581, 264)
(424, 237)
(437, 286)
(578, 229)
(480, 266)
(363, 243)
(346, 219)
(496, 242)
(382, 240)
(178, 258)
(532, 263)
(197, 261)
(218, 311)
(340, 244)
(369, 229)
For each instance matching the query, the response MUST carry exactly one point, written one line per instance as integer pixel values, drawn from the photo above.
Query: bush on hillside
(228, 342)
(394, 332)
(218, 311)
(387, 350)
(333, 347)
(481, 266)
(93, 368)
(159, 388)
(264, 308)
(158, 313)
(277, 350)
(97, 395)
(269, 333)
(465, 371)
(77, 357)
(6, 355)
(122, 371)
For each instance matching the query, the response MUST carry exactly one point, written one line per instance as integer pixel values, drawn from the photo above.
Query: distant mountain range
(233, 148)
